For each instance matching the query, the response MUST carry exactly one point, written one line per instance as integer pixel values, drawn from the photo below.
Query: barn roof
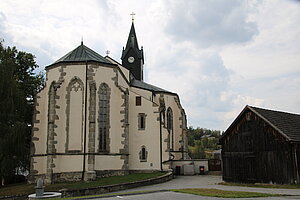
(287, 124)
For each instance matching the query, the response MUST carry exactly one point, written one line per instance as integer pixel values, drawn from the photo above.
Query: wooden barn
(262, 146)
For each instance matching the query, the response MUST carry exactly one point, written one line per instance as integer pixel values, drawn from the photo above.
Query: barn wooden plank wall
(253, 151)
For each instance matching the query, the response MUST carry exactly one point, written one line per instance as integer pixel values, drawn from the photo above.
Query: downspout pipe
(85, 121)
(160, 141)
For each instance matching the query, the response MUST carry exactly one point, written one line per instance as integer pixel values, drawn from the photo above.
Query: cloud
(2, 19)
(51, 29)
(210, 23)
(217, 55)
(200, 82)
(275, 50)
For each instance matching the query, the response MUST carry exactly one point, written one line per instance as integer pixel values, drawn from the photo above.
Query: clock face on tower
(131, 59)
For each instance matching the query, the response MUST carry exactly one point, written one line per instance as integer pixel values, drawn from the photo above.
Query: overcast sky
(218, 55)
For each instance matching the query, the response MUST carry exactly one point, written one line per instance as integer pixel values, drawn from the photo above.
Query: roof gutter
(68, 62)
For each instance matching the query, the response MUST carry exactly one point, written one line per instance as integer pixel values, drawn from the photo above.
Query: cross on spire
(132, 15)
(107, 52)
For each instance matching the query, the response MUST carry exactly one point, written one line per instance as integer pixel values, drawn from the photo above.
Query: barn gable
(287, 124)
(262, 146)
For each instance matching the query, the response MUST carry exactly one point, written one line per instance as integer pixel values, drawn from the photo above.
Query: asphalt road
(201, 181)
(209, 181)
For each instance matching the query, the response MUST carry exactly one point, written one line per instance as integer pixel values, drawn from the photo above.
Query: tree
(197, 151)
(202, 141)
(18, 85)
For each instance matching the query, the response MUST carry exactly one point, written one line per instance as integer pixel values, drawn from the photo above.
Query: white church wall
(41, 123)
(164, 135)
(106, 162)
(170, 101)
(68, 163)
(148, 137)
(75, 121)
(70, 117)
(70, 124)
(165, 152)
(125, 71)
(61, 122)
(122, 81)
(39, 164)
(52, 74)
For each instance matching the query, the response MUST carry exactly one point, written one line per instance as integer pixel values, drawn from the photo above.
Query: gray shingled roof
(82, 54)
(287, 124)
(146, 86)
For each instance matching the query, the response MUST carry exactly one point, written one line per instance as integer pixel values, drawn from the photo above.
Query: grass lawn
(223, 193)
(24, 189)
(263, 185)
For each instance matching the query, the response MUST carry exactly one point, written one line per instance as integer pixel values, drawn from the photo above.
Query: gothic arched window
(104, 97)
(170, 127)
(75, 115)
(143, 154)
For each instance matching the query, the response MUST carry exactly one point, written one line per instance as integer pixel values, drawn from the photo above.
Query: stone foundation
(67, 176)
(108, 173)
(57, 177)
(88, 176)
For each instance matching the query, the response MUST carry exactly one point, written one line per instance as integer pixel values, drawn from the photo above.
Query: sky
(217, 55)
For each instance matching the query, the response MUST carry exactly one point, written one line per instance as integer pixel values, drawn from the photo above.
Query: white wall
(148, 137)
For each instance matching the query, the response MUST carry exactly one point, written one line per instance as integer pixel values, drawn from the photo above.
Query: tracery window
(170, 127)
(104, 97)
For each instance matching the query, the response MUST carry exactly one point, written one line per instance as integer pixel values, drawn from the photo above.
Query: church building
(96, 117)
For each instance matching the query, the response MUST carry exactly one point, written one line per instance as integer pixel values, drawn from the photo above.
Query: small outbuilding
(262, 146)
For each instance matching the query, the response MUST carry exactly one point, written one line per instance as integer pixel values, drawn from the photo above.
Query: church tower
(132, 56)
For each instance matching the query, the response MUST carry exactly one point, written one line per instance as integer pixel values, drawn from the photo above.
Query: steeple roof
(82, 54)
(132, 43)
(132, 40)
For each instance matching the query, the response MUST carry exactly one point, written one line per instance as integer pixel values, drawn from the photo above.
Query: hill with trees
(202, 142)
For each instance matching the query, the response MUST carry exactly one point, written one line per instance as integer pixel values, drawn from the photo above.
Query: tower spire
(132, 56)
